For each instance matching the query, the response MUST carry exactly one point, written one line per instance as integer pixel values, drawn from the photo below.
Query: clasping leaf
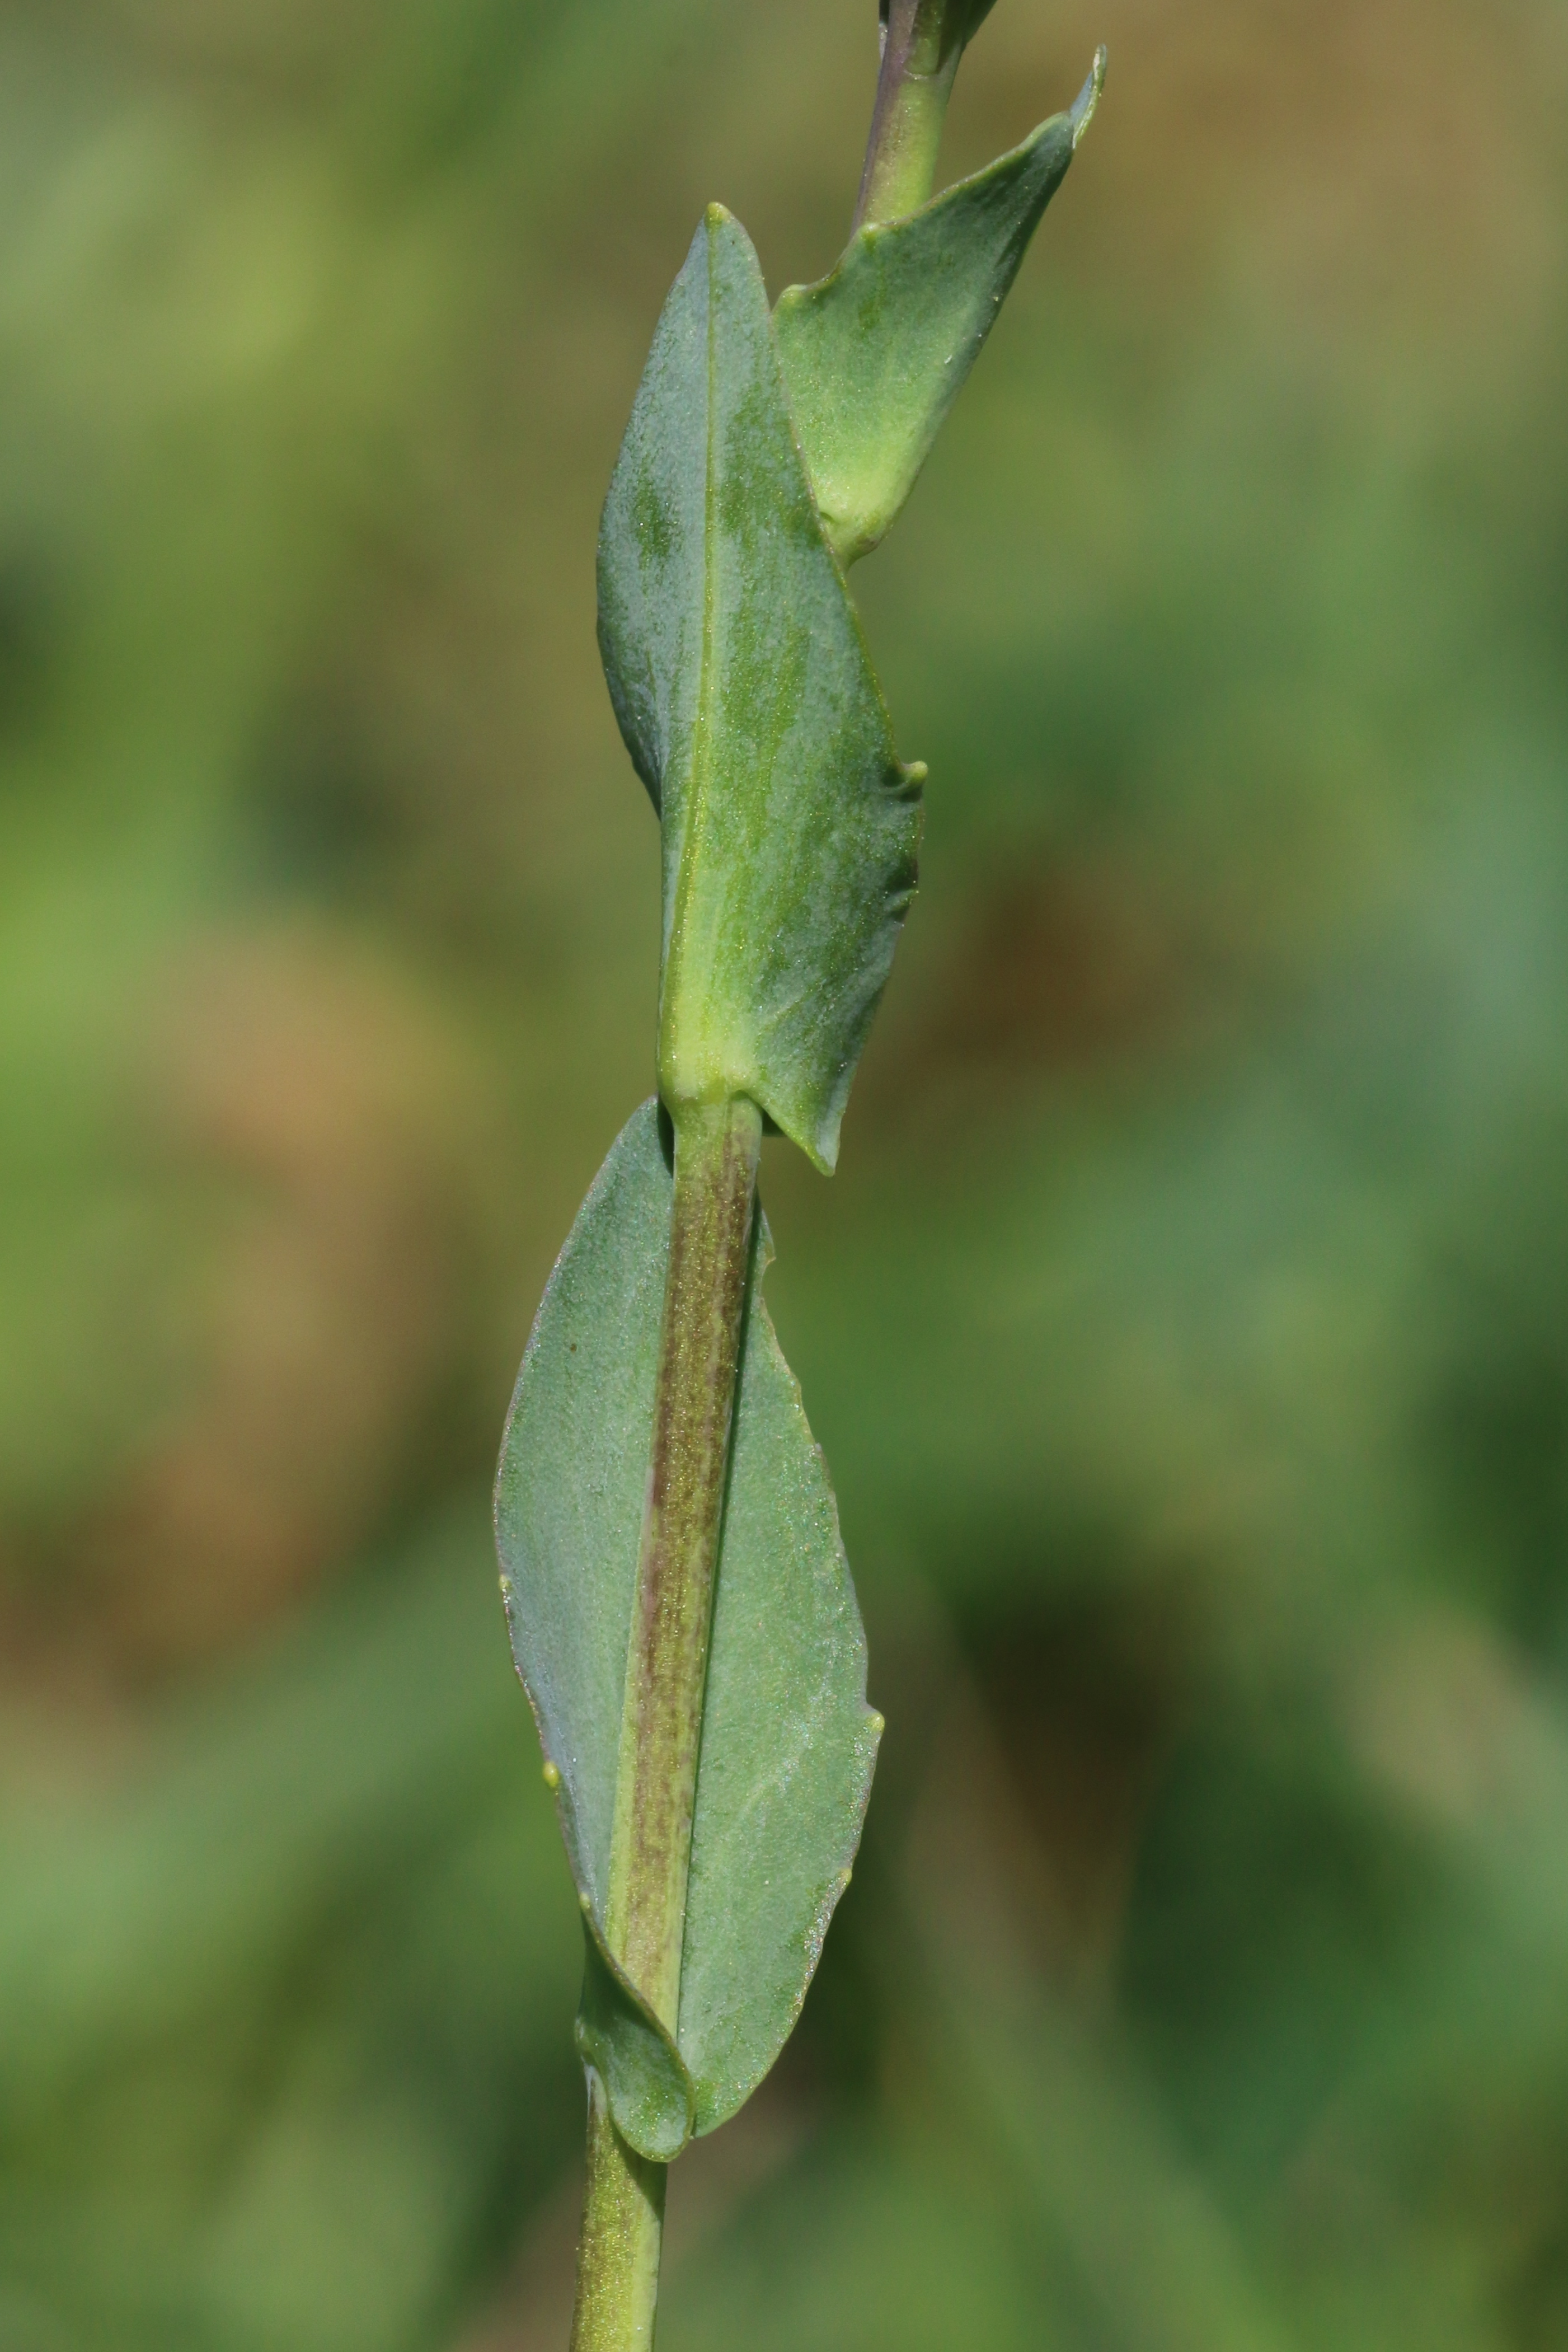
(874, 354)
(788, 1742)
(741, 681)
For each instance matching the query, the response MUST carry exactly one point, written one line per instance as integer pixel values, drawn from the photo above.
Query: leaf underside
(740, 678)
(788, 1744)
(875, 354)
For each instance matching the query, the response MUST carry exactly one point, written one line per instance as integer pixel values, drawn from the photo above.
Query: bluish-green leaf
(788, 1743)
(874, 354)
(650, 2091)
(741, 682)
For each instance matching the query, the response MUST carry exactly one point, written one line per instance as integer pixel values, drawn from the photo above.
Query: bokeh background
(1187, 1328)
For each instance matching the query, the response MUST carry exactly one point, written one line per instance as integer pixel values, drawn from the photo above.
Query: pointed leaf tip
(1088, 97)
(874, 354)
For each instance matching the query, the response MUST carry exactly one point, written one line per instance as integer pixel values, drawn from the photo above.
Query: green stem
(623, 2227)
(921, 48)
(716, 1150)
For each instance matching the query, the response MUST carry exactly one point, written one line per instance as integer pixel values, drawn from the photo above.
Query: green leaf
(650, 2091)
(741, 681)
(875, 354)
(969, 16)
(787, 1744)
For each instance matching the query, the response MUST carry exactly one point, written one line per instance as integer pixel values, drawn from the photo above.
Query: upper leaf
(741, 681)
(969, 15)
(787, 1743)
(874, 354)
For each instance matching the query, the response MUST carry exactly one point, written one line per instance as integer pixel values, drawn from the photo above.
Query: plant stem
(919, 59)
(716, 1150)
(622, 2230)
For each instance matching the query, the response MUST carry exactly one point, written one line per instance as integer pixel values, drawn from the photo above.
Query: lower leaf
(788, 1744)
(649, 2090)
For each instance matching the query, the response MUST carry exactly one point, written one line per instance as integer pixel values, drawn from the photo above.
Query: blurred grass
(1188, 1327)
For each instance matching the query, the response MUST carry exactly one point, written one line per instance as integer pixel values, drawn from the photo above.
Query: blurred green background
(1187, 1329)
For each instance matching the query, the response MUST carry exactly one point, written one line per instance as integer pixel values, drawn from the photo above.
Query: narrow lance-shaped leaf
(875, 354)
(741, 681)
(787, 1743)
